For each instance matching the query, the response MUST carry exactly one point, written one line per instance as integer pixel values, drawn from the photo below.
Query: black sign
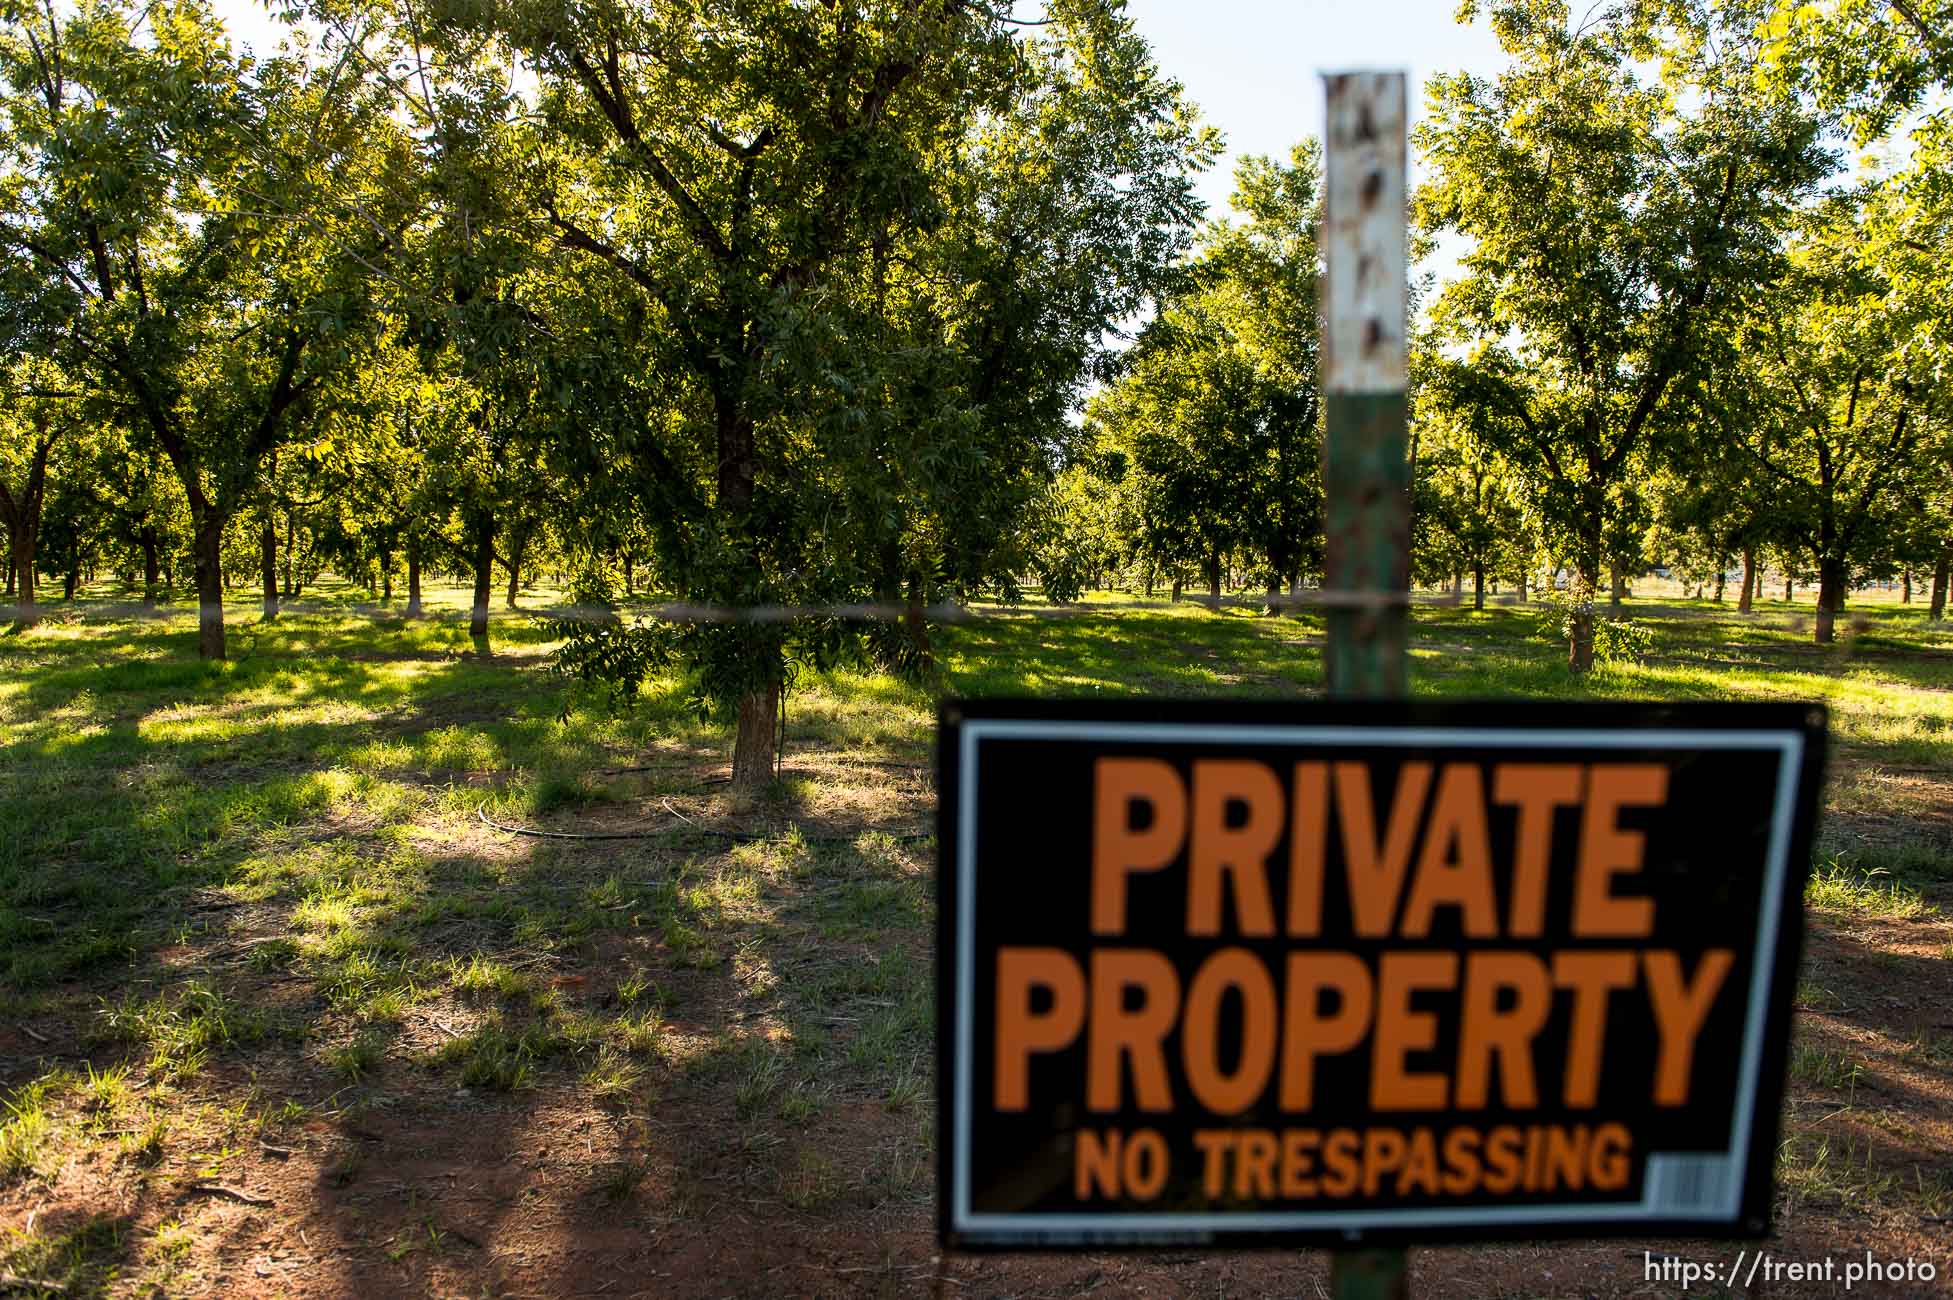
(1270, 973)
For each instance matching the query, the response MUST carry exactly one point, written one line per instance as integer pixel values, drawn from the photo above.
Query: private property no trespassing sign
(1271, 973)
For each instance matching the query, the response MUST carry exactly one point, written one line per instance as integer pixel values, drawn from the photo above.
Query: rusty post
(1365, 470)
(1366, 477)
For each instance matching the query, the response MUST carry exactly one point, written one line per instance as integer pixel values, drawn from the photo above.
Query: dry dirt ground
(713, 1175)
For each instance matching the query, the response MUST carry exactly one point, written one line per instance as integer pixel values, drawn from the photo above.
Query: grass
(261, 888)
(355, 1060)
(1825, 1171)
(1815, 1067)
(1841, 886)
(25, 1129)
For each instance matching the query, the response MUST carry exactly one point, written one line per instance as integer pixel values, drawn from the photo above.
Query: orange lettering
(1145, 1164)
(1307, 838)
(1254, 1164)
(1238, 853)
(1401, 1031)
(1339, 1163)
(1591, 976)
(1298, 1156)
(1383, 1151)
(1460, 1161)
(1095, 1165)
(1306, 1031)
(1020, 1031)
(1239, 970)
(1213, 1144)
(1679, 1012)
(1117, 849)
(1115, 1034)
(1487, 1031)
(1607, 851)
(1376, 869)
(1420, 1164)
(1536, 789)
(1455, 868)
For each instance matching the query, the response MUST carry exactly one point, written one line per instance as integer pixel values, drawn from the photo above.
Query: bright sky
(1255, 66)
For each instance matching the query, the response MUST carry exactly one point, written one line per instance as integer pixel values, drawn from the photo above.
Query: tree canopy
(763, 304)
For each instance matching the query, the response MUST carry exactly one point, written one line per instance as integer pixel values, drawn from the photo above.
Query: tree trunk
(22, 559)
(1150, 577)
(1524, 594)
(1176, 589)
(210, 583)
(755, 742)
(518, 543)
(413, 581)
(151, 568)
(1830, 598)
(1478, 586)
(918, 628)
(268, 558)
(1789, 590)
(484, 576)
(1942, 571)
(1722, 577)
(1580, 638)
(1617, 587)
(71, 580)
(1457, 584)
(1214, 581)
(630, 572)
(1905, 586)
(1747, 601)
(1585, 585)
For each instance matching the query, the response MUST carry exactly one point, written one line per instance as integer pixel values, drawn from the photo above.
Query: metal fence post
(1365, 474)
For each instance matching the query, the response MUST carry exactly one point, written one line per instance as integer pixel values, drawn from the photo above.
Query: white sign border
(1000, 1228)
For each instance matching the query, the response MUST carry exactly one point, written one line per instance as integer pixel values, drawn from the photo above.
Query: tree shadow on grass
(72, 1254)
(501, 1060)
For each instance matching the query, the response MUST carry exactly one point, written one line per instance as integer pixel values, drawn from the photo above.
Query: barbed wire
(940, 612)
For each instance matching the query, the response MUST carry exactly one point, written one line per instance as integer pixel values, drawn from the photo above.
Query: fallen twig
(233, 1193)
(10, 1282)
(28, 1030)
(232, 950)
(482, 813)
(846, 836)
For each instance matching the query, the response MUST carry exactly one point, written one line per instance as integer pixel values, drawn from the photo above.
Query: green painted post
(1369, 1275)
(1365, 469)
